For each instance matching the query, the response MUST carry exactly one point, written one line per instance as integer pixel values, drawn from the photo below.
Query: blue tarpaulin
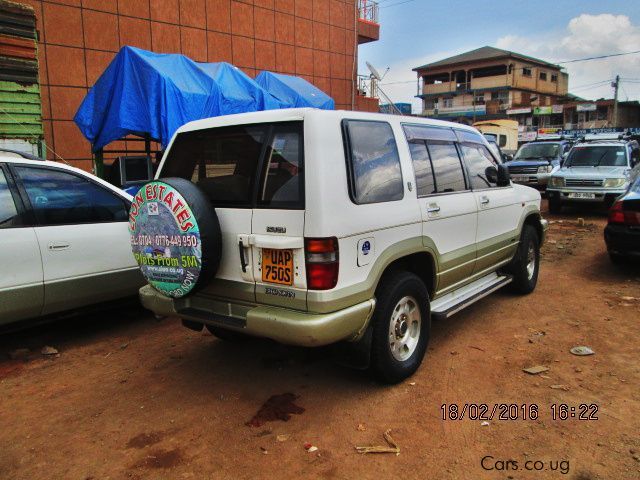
(294, 91)
(142, 92)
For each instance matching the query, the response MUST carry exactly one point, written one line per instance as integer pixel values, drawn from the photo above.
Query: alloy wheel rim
(531, 261)
(404, 328)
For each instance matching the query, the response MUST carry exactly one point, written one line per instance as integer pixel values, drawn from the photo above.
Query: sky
(417, 32)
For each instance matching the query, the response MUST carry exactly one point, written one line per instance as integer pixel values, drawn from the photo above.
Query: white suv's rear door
(278, 220)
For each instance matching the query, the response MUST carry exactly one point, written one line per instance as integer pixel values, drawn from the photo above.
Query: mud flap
(355, 355)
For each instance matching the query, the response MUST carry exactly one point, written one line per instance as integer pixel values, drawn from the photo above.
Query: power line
(599, 57)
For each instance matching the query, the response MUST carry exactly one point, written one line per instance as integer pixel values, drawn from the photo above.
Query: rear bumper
(622, 240)
(292, 327)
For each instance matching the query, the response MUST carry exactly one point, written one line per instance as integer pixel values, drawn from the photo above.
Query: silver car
(594, 172)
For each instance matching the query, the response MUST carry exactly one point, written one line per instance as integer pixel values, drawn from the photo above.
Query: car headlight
(614, 182)
(556, 182)
(545, 169)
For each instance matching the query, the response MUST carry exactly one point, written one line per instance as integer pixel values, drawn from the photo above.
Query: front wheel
(526, 263)
(401, 326)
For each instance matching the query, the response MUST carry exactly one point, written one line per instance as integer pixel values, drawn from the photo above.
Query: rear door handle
(484, 200)
(433, 208)
(56, 246)
(243, 262)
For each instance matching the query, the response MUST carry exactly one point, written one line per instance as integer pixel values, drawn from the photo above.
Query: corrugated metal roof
(483, 53)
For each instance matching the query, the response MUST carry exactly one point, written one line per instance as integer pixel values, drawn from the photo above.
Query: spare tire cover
(175, 236)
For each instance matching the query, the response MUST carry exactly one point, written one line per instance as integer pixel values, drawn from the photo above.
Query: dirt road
(131, 397)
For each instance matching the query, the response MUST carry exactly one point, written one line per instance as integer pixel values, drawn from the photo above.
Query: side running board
(453, 302)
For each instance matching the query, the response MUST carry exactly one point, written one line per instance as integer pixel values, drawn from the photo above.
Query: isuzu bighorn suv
(315, 227)
(594, 172)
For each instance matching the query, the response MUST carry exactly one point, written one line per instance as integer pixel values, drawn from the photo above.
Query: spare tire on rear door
(175, 236)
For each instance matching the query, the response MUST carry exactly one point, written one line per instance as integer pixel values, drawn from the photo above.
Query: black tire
(205, 219)
(555, 206)
(523, 281)
(617, 259)
(227, 335)
(384, 365)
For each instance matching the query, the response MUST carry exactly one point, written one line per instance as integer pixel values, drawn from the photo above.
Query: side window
(282, 185)
(478, 160)
(61, 198)
(425, 182)
(447, 168)
(8, 212)
(503, 141)
(374, 162)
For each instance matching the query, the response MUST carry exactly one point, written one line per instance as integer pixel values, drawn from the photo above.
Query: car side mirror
(506, 157)
(498, 175)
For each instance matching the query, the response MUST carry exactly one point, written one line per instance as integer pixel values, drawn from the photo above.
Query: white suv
(313, 227)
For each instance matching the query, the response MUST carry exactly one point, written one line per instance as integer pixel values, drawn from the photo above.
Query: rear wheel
(401, 325)
(526, 263)
(555, 206)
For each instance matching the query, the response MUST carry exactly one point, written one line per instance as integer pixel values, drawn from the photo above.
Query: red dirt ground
(133, 398)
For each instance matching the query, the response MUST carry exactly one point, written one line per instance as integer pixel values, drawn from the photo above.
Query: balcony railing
(368, 11)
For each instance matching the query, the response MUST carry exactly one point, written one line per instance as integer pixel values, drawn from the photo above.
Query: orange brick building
(315, 39)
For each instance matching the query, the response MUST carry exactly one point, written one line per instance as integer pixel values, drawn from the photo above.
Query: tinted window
(283, 184)
(446, 167)
(605, 156)
(467, 136)
(537, 150)
(224, 163)
(60, 198)
(478, 160)
(8, 211)
(420, 132)
(374, 162)
(425, 182)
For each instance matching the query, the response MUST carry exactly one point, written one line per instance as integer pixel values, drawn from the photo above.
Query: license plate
(277, 266)
(520, 178)
(589, 196)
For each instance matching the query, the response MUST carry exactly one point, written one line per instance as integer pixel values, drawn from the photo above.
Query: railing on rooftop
(368, 11)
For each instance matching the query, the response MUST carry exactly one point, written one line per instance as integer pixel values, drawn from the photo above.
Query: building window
(554, 77)
(543, 76)
(430, 104)
(479, 98)
(526, 72)
(447, 102)
(501, 95)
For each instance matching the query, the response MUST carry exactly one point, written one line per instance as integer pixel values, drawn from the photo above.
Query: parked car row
(599, 171)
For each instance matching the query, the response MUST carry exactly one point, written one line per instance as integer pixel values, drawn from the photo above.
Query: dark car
(622, 233)
(533, 162)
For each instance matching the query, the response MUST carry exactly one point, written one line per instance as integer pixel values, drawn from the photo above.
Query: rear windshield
(533, 151)
(242, 166)
(604, 156)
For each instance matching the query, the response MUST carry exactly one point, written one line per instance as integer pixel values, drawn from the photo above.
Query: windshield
(604, 156)
(537, 150)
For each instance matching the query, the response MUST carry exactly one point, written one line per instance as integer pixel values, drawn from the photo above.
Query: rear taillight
(322, 262)
(617, 214)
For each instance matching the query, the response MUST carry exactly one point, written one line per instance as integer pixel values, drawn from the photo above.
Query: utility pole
(615, 85)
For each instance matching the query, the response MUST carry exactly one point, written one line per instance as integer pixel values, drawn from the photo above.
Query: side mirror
(506, 157)
(498, 175)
